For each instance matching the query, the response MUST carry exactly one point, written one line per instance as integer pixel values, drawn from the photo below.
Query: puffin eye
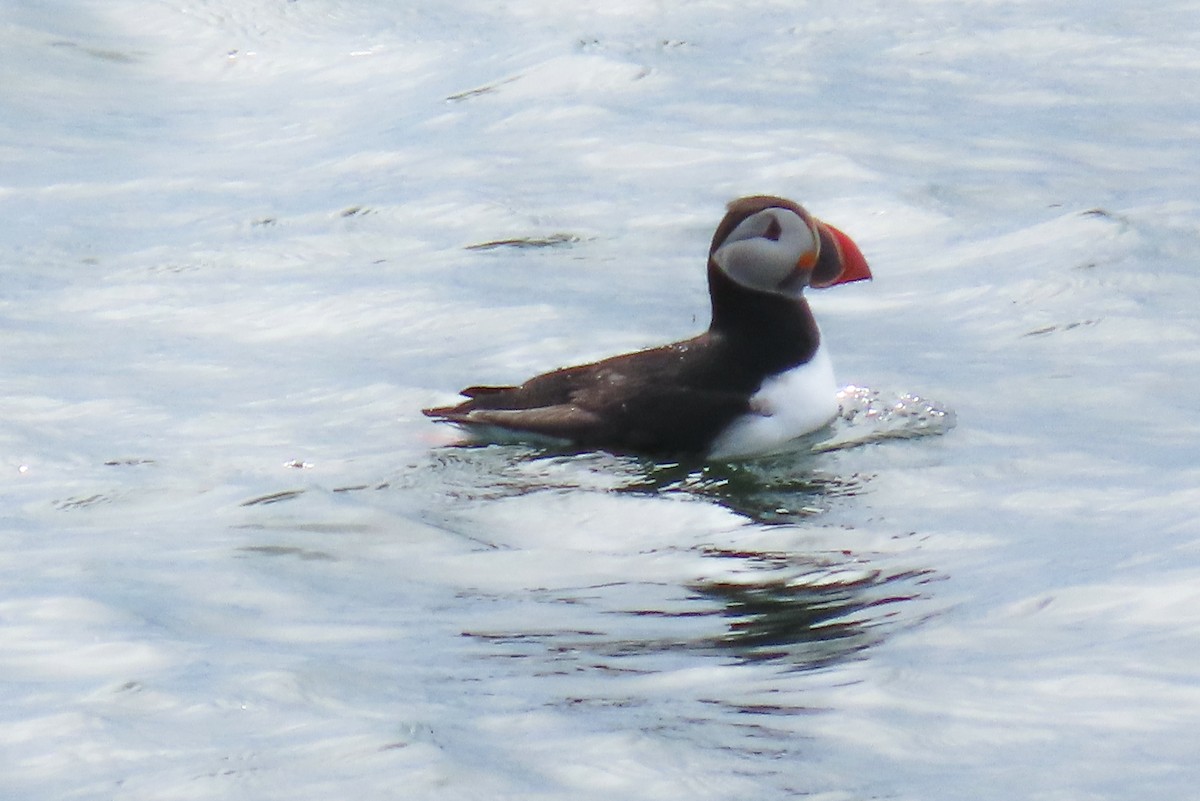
(774, 230)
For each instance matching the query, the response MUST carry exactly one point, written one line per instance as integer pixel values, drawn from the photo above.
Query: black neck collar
(774, 331)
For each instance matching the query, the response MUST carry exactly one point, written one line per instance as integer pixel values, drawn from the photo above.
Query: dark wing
(543, 391)
(476, 392)
(650, 401)
(562, 421)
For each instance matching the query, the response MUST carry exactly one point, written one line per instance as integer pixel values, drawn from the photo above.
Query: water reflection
(780, 489)
(801, 612)
(802, 607)
(806, 612)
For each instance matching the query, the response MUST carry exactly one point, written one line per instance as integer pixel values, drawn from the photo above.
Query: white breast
(789, 405)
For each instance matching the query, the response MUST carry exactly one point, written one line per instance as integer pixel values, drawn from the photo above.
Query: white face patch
(763, 250)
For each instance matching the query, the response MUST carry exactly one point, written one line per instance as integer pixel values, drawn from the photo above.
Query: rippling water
(244, 243)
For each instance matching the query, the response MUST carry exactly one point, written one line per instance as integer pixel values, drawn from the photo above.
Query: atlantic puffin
(755, 381)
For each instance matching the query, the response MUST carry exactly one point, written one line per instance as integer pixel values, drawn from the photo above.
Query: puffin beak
(853, 263)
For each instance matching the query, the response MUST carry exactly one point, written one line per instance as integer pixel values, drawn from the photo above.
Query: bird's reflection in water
(802, 613)
(808, 612)
(803, 607)
(777, 490)
(780, 489)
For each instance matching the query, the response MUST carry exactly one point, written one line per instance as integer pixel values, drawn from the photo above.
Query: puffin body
(757, 379)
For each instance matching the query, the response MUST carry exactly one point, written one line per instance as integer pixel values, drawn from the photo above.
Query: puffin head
(769, 244)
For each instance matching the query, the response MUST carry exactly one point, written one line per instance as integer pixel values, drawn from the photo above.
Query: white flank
(789, 405)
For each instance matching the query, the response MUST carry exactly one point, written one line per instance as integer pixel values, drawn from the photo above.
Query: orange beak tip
(854, 264)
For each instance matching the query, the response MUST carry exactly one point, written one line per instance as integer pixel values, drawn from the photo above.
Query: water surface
(244, 244)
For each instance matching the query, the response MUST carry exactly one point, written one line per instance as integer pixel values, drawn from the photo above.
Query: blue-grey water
(243, 243)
